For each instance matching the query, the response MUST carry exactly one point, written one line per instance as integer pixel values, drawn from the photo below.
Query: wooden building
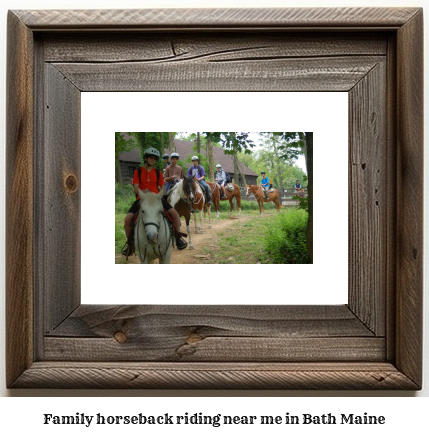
(131, 159)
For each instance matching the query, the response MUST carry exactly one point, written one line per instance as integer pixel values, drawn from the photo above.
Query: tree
(296, 143)
(210, 158)
(171, 146)
(124, 141)
(150, 139)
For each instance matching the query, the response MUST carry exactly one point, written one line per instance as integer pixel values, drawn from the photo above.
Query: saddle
(271, 190)
(229, 187)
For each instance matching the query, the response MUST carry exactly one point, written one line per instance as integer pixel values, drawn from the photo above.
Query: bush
(124, 198)
(286, 238)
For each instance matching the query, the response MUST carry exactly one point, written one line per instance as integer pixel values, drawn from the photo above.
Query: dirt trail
(209, 238)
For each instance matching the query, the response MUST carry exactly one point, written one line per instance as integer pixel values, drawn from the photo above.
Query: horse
(215, 193)
(200, 205)
(258, 192)
(153, 234)
(181, 197)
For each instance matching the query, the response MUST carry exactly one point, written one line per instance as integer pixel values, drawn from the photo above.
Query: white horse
(152, 236)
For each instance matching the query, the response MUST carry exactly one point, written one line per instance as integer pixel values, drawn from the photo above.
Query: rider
(148, 183)
(173, 173)
(298, 187)
(265, 183)
(166, 159)
(220, 178)
(198, 172)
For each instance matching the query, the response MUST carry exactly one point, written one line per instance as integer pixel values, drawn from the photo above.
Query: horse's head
(150, 210)
(189, 188)
(248, 190)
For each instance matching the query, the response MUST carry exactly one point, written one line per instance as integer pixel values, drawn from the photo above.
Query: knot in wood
(71, 183)
(120, 337)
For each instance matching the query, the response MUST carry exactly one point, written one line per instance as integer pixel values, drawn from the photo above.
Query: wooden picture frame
(373, 342)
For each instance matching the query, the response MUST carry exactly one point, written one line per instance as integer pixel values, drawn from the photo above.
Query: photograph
(213, 197)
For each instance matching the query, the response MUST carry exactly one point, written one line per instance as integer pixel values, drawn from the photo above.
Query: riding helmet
(151, 152)
(175, 155)
(263, 172)
(195, 158)
(165, 156)
(218, 166)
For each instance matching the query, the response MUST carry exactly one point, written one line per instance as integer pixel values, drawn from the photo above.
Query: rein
(254, 193)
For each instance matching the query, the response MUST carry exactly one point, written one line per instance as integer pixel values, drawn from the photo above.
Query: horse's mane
(151, 198)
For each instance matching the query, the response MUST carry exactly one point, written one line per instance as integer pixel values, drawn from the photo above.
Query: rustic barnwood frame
(373, 342)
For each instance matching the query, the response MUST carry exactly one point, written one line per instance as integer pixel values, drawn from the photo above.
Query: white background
(324, 282)
(25, 414)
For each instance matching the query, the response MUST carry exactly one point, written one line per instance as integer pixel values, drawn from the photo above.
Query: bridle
(254, 193)
(157, 225)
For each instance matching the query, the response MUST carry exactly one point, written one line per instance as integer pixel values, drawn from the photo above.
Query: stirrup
(125, 249)
(181, 244)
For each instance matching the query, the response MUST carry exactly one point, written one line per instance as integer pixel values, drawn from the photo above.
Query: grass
(268, 238)
(243, 243)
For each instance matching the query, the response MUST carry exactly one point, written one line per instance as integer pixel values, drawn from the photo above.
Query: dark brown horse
(215, 193)
(181, 198)
(258, 192)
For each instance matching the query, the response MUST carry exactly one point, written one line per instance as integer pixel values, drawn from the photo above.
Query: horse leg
(201, 220)
(209, 212)
(230, 206)
(237, 197)
(188, 229)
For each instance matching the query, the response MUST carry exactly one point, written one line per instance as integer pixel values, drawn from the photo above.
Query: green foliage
(124, 198)
(152, 139)
(124, 141)
(286, 238)
(232, 142)
(303, 202)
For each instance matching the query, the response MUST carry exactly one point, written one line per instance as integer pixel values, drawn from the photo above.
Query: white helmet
(218, 166)
(151, 152)
(195, 158)
(175, 155)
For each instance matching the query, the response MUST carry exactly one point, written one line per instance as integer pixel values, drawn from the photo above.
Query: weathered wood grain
(201, 47)
(61, 185)
(368, 173)
(409, 278)
(206, 50)
(186, 19)
(135, 322)
(341, 376)
(304, 74)
(19, 199)
(178, 347)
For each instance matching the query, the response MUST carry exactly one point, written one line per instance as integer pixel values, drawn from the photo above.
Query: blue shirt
(265, 181)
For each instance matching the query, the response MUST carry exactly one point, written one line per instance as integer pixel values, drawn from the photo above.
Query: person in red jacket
(151, 180)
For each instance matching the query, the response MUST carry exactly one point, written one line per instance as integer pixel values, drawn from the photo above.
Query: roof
(184, 148)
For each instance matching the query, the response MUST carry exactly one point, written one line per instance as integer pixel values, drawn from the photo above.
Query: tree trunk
(118, 175)
(243, 177)
(171, 146)
(309, 160)
(162, 143)
(211, 158)
(198, 143)
(277, 164)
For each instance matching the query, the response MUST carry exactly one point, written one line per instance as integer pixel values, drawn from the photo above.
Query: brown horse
(258, 192)
(181, 197)
(215, 193)
(200, 205)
